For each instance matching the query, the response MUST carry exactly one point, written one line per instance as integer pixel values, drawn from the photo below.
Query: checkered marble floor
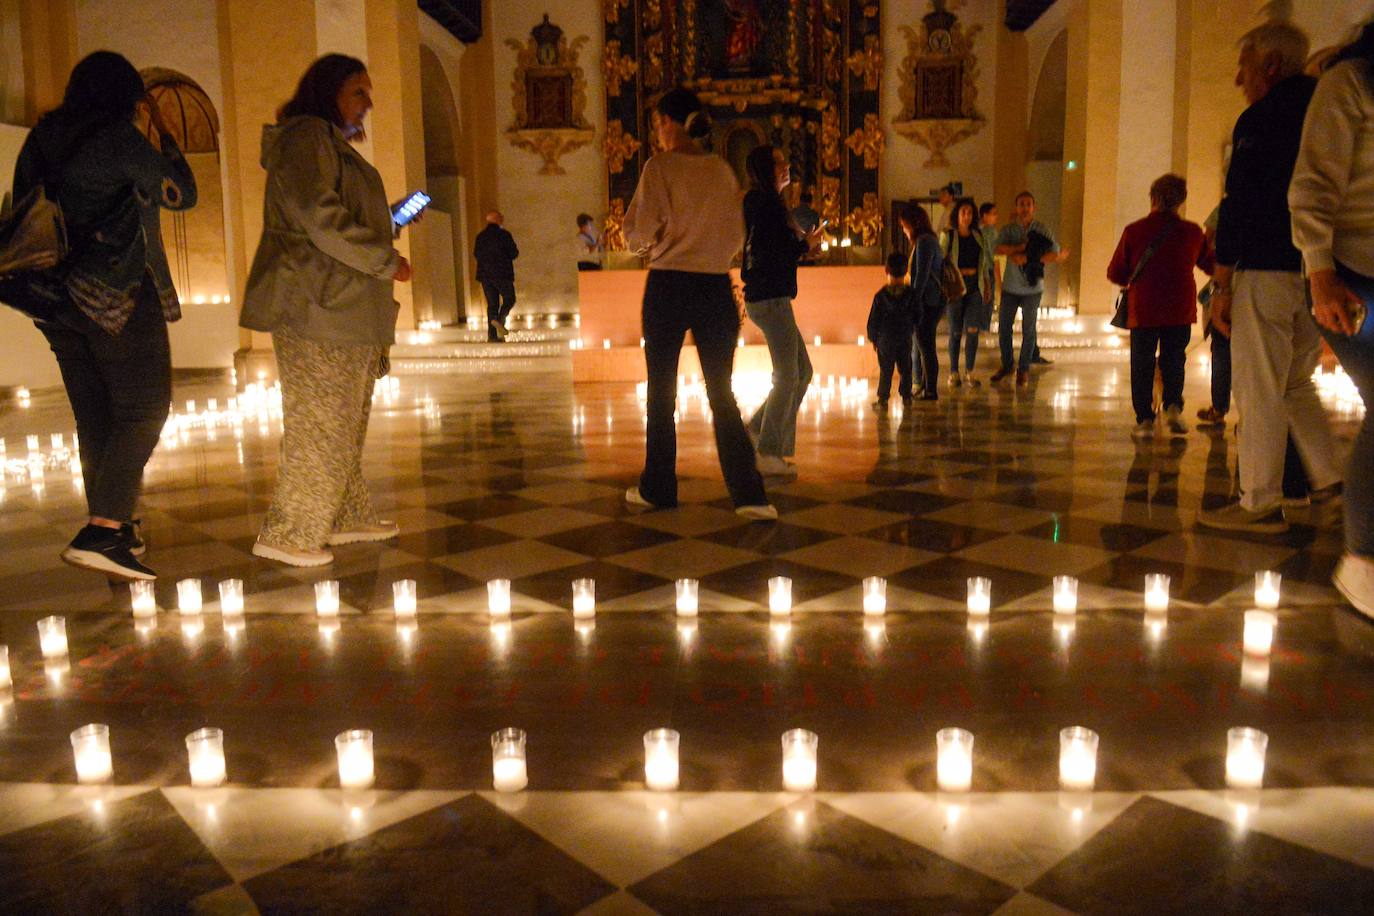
(520, 478)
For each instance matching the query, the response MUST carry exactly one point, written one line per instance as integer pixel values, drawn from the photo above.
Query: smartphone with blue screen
(406, 211)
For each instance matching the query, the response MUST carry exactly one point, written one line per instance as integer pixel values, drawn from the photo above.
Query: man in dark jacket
(496, 253)
(1274, 341)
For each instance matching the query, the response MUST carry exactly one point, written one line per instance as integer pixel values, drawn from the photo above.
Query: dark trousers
(926, 355)
(676, 302)
(894, 352)
(1172, 345)
(500, 299)
(1221, 372)
(120, 390)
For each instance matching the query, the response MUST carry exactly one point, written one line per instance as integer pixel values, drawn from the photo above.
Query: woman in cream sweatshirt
(686, 218)
(1332, 201)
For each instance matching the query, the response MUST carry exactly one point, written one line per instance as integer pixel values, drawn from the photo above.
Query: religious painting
(801, 75)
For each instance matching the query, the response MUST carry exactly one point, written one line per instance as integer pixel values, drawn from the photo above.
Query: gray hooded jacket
(324, 266)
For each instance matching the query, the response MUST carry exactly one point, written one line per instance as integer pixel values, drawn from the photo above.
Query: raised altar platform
(831, 307)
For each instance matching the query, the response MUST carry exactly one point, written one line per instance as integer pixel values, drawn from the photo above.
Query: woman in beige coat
(321, 284)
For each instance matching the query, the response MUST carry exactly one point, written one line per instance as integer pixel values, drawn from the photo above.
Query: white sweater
(1332, 193)
(686, 214)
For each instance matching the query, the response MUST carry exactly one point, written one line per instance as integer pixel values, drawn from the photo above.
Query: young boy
(890, 323)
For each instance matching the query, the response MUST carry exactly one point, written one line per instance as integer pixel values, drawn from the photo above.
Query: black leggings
(676, 302)
(926, 354)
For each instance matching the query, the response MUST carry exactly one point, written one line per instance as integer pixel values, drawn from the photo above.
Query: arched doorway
(194, 238)
(444, 182)
(1045, 146)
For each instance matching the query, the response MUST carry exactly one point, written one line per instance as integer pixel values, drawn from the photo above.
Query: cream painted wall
(541, 210)
(971, 161)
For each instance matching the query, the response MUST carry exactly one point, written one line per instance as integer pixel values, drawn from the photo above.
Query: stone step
(425, 365)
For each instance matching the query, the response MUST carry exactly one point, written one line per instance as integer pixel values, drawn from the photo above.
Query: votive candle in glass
(660, 759)
(1065, 595)
(1245, 749)
(188, 596)
(508, 773)
(780, 595)
(355, 758)
(327, 598)
(1259, 632)
(142, 598)
(498, 597)
(1267, 585)
(584, 598)
(205, 753)
(954, 759)
(875, 595)
(1077, 758)
(91, 749)
(403, 600)
(1156, 592)
(799, 760)
(231, 597)
(979, 595)
(52, 637)
(6, 680)
(687, 590)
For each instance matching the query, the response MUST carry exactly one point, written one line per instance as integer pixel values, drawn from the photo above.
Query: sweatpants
(326, 392)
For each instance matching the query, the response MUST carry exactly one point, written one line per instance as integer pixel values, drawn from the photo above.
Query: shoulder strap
(1150, 250)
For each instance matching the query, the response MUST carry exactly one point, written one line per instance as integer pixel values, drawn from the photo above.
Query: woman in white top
(686, 218)
(1332, 201)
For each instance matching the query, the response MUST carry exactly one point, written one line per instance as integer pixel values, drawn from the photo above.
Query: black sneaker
(134, 532)
(999, 375)
(105, 550)
(1039, 360)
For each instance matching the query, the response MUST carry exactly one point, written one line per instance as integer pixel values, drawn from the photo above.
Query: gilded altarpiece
(802, 75)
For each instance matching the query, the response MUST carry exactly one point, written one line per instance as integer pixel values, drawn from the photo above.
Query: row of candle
(1245, 753)
(1065, 595)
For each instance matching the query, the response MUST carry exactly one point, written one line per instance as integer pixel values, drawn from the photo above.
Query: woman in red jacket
(1162, 300)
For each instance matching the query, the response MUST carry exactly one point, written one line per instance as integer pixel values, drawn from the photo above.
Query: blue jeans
(1356, 354)
(1029, 304)
(966, 319)
(775, 423)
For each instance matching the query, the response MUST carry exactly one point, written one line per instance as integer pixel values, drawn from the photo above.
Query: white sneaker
(1143, 430)
(1354, 579)
(773, 466)
(291, 556)
(635, 498)
(760, 513)
(1173, 422)
(382, 531)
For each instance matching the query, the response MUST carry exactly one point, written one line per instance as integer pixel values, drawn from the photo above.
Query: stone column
(1091, 138)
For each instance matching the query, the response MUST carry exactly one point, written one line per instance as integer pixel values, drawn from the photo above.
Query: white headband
(690, 118)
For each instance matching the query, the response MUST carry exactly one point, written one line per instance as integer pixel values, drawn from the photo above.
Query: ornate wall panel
(803, 75)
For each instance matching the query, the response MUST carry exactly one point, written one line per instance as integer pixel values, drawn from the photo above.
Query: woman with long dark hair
(110, 337)
(773, 244)
(1332, 201)
(321, 284)
(923, 276)
(967, 247)
(685, 216)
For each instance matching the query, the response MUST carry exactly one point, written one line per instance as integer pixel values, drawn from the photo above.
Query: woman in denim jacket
(110, 339)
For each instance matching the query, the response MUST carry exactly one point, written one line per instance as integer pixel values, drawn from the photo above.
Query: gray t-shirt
(1013, 278)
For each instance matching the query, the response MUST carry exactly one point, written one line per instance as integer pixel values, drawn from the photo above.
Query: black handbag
(33, 245)
(1121, 315)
